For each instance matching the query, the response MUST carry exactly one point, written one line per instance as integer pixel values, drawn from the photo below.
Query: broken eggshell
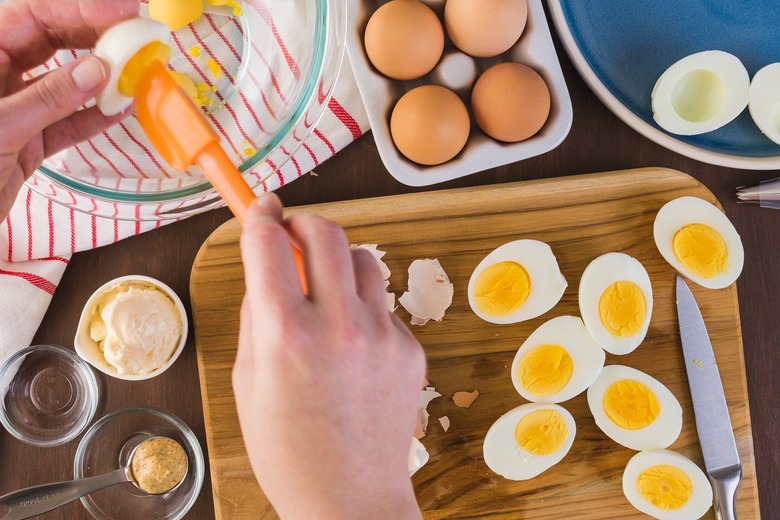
(429, 292)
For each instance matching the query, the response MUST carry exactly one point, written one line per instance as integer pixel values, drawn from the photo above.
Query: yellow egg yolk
(188, 86)
(214, 68)
(175, 13)
(622, 309)
(701, 250)
(665, 486)
(630, 404)
(138, 64)
(541, 432)
(502, 288)
(545, 370)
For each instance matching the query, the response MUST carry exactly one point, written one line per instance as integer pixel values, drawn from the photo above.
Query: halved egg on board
(517, 281)
(616, 302)
(559, 360)
(528, 440)
(666, 485)
(699, 241)
(764, 104)
(128, 48)
(634, 409)
(700, 93)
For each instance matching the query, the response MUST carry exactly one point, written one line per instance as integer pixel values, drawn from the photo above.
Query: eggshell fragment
(426, 396)
(417, 458)
(445, 422)
(429, 294)
(465, 399)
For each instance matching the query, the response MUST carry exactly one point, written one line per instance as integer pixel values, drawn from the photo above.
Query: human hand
(327, 387)
(41, 117)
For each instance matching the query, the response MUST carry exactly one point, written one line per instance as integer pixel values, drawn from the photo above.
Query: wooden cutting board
(581, 218)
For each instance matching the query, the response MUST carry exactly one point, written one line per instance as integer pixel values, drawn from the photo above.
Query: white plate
(535, 49)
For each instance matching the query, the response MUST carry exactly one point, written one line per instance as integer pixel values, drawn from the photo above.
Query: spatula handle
(236, 193)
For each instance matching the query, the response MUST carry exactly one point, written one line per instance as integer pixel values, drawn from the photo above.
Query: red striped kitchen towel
(39, 236)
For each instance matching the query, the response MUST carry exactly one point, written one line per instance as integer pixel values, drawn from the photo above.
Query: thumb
(54, 96)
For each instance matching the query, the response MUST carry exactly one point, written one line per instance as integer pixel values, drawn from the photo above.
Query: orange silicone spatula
(182, 135)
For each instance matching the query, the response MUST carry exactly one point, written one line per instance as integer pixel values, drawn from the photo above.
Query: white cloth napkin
(39, 236)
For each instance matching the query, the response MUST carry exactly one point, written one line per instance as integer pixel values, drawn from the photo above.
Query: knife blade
(716, 436)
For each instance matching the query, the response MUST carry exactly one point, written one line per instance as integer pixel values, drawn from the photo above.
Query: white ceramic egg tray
(535, 49)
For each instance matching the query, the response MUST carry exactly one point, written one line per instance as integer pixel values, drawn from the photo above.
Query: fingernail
(89, 74)
(268, 200)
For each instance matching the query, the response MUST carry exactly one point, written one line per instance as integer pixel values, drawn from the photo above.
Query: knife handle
(724, 487)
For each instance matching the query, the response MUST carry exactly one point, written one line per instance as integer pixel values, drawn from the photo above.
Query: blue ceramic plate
(622, 47)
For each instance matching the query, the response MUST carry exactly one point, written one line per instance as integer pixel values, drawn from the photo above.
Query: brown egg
(404, 39)
(485, 28)
(510, 101)
(430, 124)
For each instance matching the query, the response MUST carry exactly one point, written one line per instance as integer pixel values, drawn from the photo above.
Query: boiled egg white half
(764, 104)
(616, 302)
(517, 281)
(528, 440)
(559, 360)
(700, 93)
(634, 409)
(699, 241)
(128, 48)
(666, 485)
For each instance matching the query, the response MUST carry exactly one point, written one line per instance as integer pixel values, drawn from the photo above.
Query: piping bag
(182, 135)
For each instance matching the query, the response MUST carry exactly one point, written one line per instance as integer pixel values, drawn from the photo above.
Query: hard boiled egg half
(764, 104)
(559, 360)
(528, 440)
(616, 302)
(699, 241)
(515, 282)
(634, 409)
(128, 48)
(700, 93)
(666, 486)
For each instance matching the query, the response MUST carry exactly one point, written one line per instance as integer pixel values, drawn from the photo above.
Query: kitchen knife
(709, 405)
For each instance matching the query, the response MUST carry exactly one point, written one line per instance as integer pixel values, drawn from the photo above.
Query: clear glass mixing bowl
(267, 69)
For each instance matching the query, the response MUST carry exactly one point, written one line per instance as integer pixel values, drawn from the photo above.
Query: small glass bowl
(49, 395)
(107, 446)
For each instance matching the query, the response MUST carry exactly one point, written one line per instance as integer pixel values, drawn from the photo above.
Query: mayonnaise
(137, 327)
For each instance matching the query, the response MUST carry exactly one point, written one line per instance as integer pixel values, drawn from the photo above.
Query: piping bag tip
(182, 135)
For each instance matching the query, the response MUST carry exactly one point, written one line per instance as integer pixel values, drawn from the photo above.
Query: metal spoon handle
(37, 500)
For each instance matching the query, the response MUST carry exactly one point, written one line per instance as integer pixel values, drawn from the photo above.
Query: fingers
(269, 266)
(326, 252)
(9, 188)
(369, 281)
(34, 29)
(245, 356)
(79, 126)
(54, 97)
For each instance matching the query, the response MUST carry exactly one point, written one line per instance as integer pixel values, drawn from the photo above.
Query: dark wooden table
(598, 141)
